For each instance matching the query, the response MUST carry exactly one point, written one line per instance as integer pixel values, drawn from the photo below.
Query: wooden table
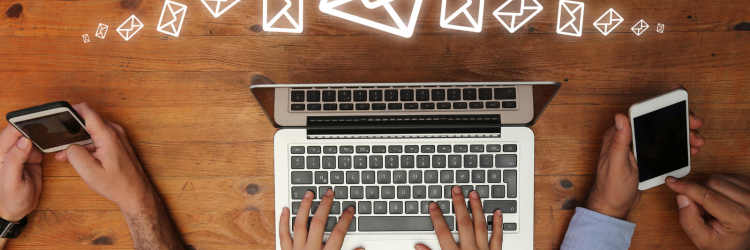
(206, 144)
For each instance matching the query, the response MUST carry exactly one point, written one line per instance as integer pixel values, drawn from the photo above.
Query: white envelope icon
(219, 9)
(86, 38)
(476, 25)
(401, 28)
(101, 31)
(660, 28)
(574, 10)
(131, 26)
(608, 22)
(513, 19)
(640, 27)
(268, 25)
(176, 12)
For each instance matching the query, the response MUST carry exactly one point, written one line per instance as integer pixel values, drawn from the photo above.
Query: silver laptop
(389, 149)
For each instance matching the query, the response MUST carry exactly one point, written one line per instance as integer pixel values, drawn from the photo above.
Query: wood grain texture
(204, 141)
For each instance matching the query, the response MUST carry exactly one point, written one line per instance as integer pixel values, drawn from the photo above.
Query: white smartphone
(661, 137)
(51, 127)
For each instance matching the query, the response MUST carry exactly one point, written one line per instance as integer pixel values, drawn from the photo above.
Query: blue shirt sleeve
(592, 230)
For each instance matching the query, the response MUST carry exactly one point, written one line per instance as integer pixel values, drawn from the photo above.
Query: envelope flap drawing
(608, 22)
(287, 18)
(397, 17)
(101, 31)
(130, 27)
(218, 7)
(171, 18)
(513, 14)
(467, 17)
(570, 18)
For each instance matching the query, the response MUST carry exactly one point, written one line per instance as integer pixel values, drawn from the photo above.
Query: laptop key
(391, 161)
(380, 207)
(313, 162)
(376, 161)
(337, 177)
(378, 106)
(461, 148)
(446, 176)
(435, 192)
(425, 207)
(476, 105)
(470, 161)
(384, 177)
(423, 95)
(411, 149)
(376, 95)
(360, 162)
(313, 106)
(329, 162)
(454, 161)
(301, 177)
(462, 176)
(313, 95)
(298, 192)
(322, 191)
(466, 189)
(510, 148)
(508, 206)
(431, 176)
(321, 177)
(295, 207)
(493, 176)
(404, 192)
(428, 149)
(407, 95)
(459, 105)
(505, 93)
(493, 148)
(505, 161)
(477, 176)
(345, 162)
(411, 207)
(509, 177)
(438, 161)
(445, 207)
(388, 192)
(399, 177)
(365, 207)
(313, 149)
(298, 96)
(444, 105)
(335, 209)
(391, 95)
(352, 177)
(485, 94)
(345, 96)
(298, 150)
(398, 223)
(330, 149)
(447, 192)
(415, 176)
(346, 106)
(394, 106)
(368, 177)
(298, 162)
(347, 204)
(493, 105)
(346, 149)
(483, 191)
(363, 149)
(444, 148)
(329, 95)
(438, 94)
(407, 161)
(395, 149)
(360, 95)
(423, 161)
(485, 161)
(498, 191)
(378, 149)
(363, 106)
(357, 192)
(477, 148)
(509, 105)
(411, 106)
(427, 105)
(470, 94)
(296, 107)
(454, 94)
(372, 192)
(309, 221)
(330, 106)
(419, 192)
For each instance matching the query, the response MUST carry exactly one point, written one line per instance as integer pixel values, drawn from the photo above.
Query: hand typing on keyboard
(309, 232)
(472, 233)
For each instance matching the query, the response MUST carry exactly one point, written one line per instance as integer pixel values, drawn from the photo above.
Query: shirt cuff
(592, 230)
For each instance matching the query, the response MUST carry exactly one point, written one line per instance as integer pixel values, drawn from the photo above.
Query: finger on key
(336, 239)
(496, 242)
(463, 220)
(480, 223)
(445, 238)
(318, 223)
(300, 224)
(285, 237)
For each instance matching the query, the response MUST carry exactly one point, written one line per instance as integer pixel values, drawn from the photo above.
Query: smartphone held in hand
(52, 126)
(661, 138)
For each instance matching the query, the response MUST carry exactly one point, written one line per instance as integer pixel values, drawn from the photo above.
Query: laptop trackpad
(398, 244)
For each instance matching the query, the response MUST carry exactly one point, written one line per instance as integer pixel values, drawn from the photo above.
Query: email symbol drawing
(660, 28)
(512, 17)
(268, 25)
(401, 28)
(177, 12)
(476, 25)
(219, 9)
(640, 27)
(608, 22)
(101, 31)
(86, 38)
(131, 26)
(574, 12)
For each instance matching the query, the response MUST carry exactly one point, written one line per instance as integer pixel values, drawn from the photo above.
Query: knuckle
(709, 195)
(339, 231)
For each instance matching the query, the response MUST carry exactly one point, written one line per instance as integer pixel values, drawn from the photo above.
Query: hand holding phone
(21, 175)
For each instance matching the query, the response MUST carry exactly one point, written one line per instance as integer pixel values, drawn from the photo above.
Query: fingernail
(697, 118)
(284, 211)
(308, 194)
(23, 143)
(682, 201)
(498, 212)
(698, 135)
(474, 195)
(433, 205)
(671, 179)
(350, 209)
(329, 192)
(618, 124)
(456, 190)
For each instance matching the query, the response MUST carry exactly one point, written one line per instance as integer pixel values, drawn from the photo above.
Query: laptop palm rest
(398, 244)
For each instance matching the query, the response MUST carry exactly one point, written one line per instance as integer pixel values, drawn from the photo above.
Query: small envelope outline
(640, 27)
(576, 7)
(608, 22)
(130, 27)
(530, 5)
(660, 28)
(86, 38)
(268, 24)
(476, 25)
(177, 11)
(218, 10)
(404, 29)
(101, 31)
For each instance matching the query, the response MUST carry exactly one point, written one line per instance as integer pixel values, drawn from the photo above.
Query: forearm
(592, 230)
(2, 243)
(150, 225)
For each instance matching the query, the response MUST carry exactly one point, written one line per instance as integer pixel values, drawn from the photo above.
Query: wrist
(12, 217)
(141, 204)
(606, 210)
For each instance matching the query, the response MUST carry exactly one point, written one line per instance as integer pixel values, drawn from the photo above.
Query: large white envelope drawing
(268, 24)
(639, 28)
(402, 29)
(131, 26)
(574, 10)
(219, 9)
(508, 17)
(476, 25)
(101, 31)
(176, 12)
(608, 22)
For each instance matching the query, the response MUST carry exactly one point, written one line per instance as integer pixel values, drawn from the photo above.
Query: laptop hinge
(403, 126)
(402, 136)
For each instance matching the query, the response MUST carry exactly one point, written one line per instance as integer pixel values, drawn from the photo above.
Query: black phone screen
(54, 130)
(661, 141)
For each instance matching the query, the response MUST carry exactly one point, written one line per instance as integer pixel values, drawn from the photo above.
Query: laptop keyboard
(402, 98)
(391, 185)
